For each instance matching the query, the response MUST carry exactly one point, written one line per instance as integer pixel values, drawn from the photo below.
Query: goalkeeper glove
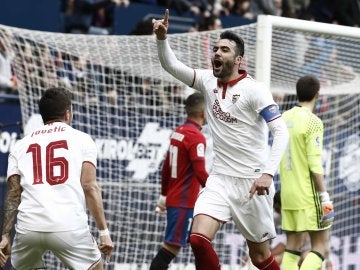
(327, 210)
(161, 204)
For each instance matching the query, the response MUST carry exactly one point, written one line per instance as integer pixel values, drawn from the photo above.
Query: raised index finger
(166, 17)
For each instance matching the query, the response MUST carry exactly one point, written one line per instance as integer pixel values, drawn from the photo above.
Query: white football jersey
(209, 151)
(239, 132)
(49, 162)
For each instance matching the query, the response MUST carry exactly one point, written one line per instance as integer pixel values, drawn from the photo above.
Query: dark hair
(54, 103)
(238, 40)
(307, 87)
(194, 104)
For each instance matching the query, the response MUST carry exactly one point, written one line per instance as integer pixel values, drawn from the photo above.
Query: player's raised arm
(160, 27)
(167, 57)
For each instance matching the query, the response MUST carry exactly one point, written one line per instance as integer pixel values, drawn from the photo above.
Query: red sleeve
(200, 171)
(197, 157)
(165, 175)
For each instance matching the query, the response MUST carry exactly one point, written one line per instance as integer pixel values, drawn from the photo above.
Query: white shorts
(77, 250)
(226, 198)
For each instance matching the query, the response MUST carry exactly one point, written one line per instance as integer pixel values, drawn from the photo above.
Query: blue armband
(270, 113)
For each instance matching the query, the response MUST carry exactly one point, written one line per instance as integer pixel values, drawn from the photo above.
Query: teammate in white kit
(239, 113)
(51, 180)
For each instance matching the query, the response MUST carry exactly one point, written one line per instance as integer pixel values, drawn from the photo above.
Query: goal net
(129, 105)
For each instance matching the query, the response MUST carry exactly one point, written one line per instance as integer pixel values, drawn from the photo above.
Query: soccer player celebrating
(239, 112)
(305, 204)
(182, 174)
(51, 180)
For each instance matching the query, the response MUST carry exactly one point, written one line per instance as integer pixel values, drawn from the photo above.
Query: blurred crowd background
(133, 17)
(98, 16)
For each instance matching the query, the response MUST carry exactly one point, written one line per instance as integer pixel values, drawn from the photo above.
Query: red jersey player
(182, 175)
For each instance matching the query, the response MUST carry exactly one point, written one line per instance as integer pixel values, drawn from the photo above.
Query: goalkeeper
(306, 206)
(182, 174)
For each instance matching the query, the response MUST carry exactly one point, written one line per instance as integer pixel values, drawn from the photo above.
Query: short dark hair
(194, 104)
(54, 103)
(234, 37)
(307, 87)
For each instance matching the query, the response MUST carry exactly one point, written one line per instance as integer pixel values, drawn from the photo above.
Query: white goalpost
(288, 48)
(129, 105)
(265, 26)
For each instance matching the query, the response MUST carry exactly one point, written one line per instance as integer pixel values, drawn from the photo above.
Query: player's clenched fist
(160, 27)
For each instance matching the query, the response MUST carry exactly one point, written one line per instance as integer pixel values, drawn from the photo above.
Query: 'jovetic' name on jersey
(46, 131)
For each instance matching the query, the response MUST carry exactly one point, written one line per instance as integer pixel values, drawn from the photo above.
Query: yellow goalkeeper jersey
(303, 155)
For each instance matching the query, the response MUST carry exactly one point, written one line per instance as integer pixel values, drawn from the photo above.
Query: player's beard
(225, 71)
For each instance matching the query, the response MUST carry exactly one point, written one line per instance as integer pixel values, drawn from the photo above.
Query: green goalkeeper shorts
(302, 220)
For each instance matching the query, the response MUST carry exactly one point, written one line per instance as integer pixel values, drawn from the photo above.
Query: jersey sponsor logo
(200, 150)
(221, 115)
(235, 98)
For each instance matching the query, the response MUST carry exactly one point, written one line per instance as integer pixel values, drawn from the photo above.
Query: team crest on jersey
(235, 98)
(200, 149)
(215, 91)
(273, 109)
